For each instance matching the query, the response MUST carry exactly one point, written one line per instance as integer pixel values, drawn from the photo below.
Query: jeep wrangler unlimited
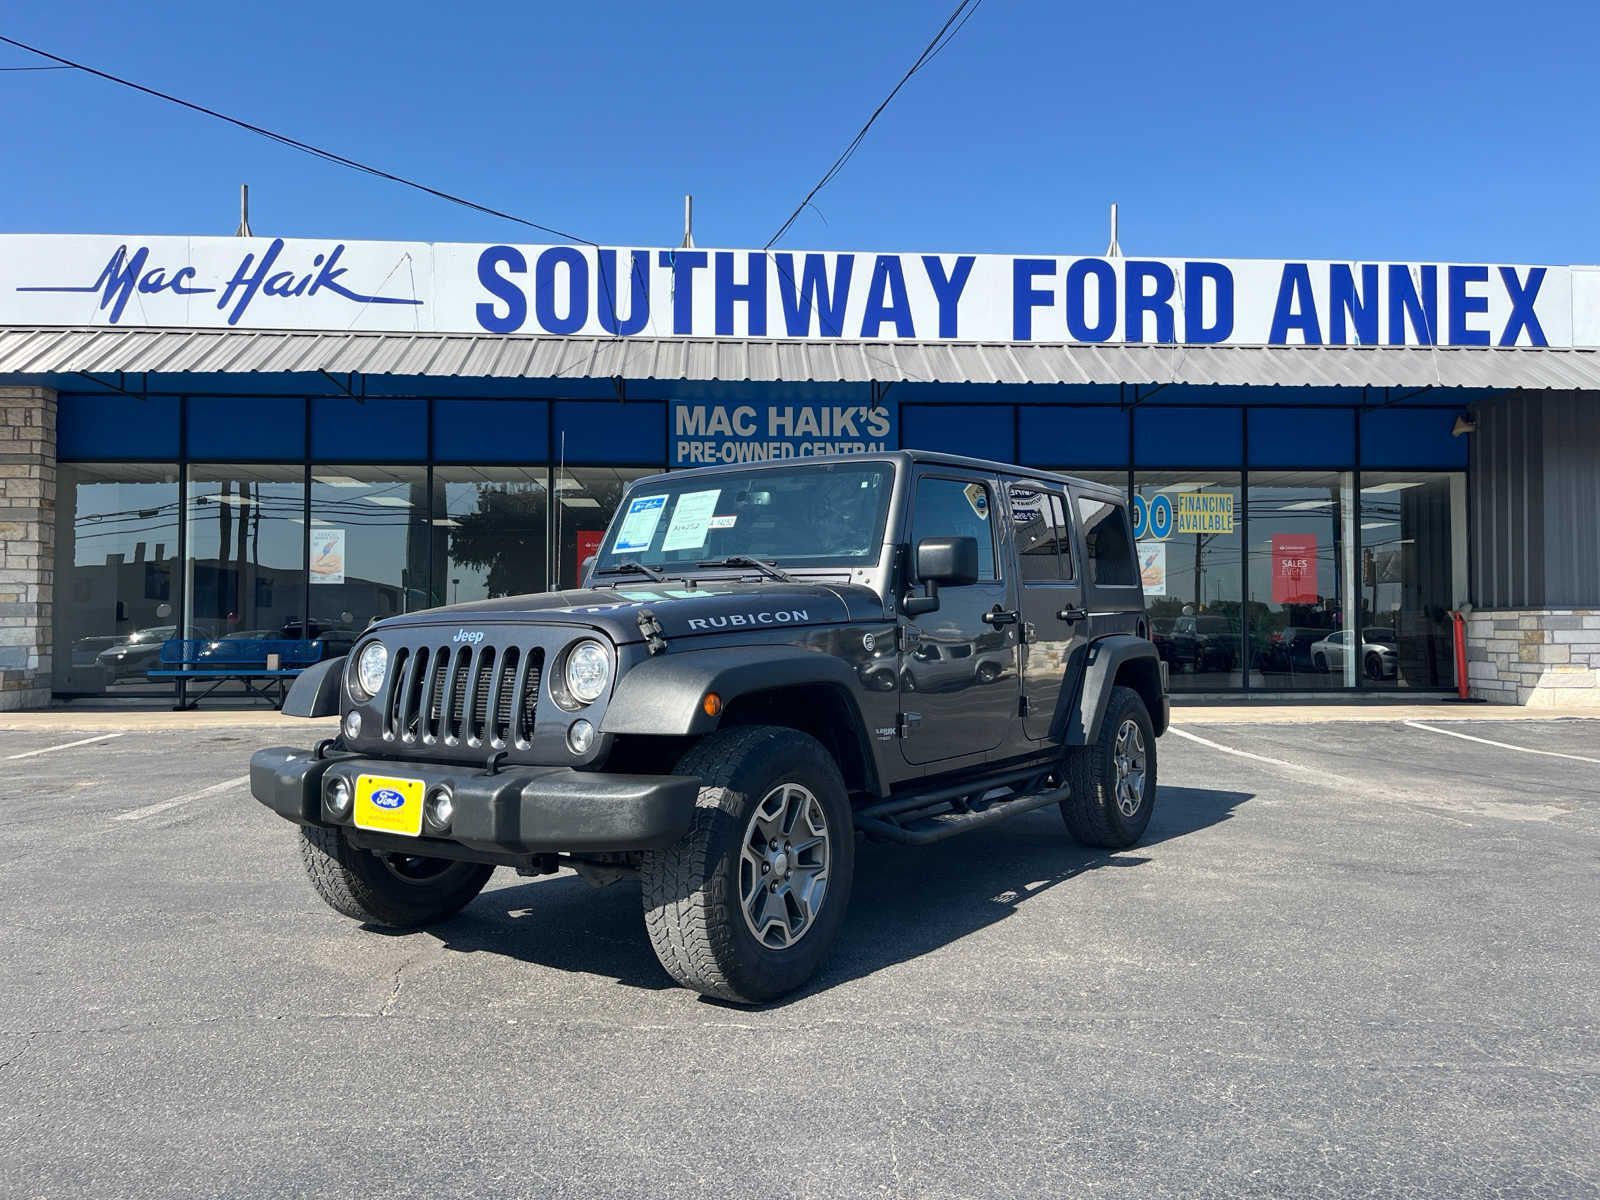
(764, 660)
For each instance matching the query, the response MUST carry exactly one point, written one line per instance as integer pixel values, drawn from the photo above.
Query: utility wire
(293, 143)
(35, 68)
(958, 17)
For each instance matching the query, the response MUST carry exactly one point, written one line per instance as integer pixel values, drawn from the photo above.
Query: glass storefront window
(586, 498)
(1409, 568)
(1189, 559)
(1302, 554)
(369, 547)
(245, 572)
(489, 532)
(116, 593)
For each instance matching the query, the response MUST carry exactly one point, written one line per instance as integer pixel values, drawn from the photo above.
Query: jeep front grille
(464, 695)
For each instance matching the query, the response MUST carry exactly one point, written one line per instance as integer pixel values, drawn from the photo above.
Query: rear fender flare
(1081, 718)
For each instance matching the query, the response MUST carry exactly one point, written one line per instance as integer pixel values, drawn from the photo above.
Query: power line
(962, 13)
(63, 68)
(294, 143)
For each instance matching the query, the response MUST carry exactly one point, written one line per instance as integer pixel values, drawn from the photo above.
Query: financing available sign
(620, 292)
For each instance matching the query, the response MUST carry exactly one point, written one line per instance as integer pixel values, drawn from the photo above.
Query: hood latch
(650, 628)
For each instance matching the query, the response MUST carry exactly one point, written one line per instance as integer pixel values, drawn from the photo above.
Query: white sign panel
(327, 556)
(261, 283)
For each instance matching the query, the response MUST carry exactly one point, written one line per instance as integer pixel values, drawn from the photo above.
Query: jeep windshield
(823, 515)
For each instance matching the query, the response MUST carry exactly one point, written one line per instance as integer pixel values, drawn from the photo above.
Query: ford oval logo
(388, 798)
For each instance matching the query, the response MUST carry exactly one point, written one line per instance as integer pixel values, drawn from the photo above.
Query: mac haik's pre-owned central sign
(259, 283)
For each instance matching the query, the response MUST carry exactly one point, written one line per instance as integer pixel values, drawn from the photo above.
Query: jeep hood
(712, 607)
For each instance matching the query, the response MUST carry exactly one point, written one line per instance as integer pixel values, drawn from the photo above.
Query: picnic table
(264, 667)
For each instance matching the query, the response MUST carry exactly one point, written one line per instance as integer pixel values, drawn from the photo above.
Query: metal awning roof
(54, 351)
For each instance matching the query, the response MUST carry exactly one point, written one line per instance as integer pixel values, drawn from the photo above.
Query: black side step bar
(907, 819)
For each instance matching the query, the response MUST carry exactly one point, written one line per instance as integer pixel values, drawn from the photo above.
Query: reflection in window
(1407, 578)
(116, 593)
(369, 546)
(246, 547)
(586, 497)
(1193, 576)
(489, 532)
(1302, 548)
(955, 508)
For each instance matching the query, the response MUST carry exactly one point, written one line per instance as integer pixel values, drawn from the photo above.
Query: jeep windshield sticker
(690, 520)
(726, 521)
(978, 496)
(639, 525)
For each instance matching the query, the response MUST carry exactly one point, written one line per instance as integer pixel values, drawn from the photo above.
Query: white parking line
(150, 810)
(1262, 758)
(1467, 737)
(99, 737)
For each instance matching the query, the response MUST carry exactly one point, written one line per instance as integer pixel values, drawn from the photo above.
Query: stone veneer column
(27, 543)
(1544, 658)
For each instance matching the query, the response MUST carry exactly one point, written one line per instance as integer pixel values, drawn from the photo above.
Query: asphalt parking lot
(1362, 961)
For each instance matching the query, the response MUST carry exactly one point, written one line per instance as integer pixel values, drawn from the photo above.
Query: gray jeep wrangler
(765, 661)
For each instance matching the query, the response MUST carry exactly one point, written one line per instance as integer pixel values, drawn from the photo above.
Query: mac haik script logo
(128, 273)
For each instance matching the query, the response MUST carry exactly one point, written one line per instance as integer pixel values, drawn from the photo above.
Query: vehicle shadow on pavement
(907, 901)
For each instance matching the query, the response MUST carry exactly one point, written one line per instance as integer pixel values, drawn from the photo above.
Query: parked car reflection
(1377, 654)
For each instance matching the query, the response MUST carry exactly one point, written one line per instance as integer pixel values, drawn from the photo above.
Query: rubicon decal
(783, 616)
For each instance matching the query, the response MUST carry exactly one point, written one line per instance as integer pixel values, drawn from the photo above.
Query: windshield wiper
(632, 568)
(770, 570)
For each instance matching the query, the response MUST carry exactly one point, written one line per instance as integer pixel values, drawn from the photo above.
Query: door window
(1107, 543)
(956, 508)
(1044, 540)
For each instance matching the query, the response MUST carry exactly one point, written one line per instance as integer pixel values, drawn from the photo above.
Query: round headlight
(588, 672)
(370, 668)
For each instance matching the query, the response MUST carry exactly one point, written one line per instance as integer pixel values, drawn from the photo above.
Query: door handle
(998, 616)
(1071, 615)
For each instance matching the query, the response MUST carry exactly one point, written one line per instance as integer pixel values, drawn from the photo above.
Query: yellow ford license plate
(388, 805)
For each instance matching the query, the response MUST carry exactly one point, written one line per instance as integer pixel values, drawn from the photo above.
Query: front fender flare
(661, 696)
(1105, 657)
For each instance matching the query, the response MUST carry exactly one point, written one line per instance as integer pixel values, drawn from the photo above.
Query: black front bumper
(506, 816)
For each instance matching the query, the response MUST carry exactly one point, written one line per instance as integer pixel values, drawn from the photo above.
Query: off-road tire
(1091, 812)
(691, 889)
(358, 884)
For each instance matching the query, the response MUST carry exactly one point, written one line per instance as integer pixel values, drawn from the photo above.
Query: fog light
(580, 736)
(338, 797)
(352, 725)
(440, 808)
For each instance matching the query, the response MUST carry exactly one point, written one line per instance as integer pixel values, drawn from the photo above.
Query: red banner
(588, 546)
(1294, 568)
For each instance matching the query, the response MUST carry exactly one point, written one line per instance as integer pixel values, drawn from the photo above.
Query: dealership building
(247, 438)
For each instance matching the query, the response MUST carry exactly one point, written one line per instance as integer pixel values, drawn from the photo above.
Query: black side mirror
(947, 562)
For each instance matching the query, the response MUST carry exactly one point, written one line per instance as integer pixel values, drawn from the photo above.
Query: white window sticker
(726, 521)
(690, 520)
(639, 525)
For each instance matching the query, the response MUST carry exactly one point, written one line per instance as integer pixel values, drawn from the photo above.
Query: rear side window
(1107, 543)
(1044, 539)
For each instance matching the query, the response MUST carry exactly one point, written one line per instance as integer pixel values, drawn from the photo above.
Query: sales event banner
(339, 286)
(1294, 568)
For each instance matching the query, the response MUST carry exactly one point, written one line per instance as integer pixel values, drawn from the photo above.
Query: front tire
(1113, 781)
(397, 891)
(746, 905)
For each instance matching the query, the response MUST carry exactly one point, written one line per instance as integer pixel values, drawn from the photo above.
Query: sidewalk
(68, 719)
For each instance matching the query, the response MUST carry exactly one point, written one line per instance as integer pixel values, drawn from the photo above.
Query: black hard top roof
(907, 457)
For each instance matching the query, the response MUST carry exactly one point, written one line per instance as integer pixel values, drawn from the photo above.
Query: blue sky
(1361, 130)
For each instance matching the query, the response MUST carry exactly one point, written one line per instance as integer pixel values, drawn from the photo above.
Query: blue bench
(246, 661)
